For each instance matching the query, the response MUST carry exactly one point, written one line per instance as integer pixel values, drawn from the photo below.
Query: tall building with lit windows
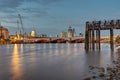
(71, 32)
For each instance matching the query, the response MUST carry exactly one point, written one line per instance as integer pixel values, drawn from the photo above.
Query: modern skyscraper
(71, 32)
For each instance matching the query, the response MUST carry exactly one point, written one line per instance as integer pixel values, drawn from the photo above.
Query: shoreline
(21, 42)
(8, 42)
(110, 72)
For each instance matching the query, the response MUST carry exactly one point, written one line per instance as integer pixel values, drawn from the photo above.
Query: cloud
(14, 6)
(10, 3)
(9, 16)
(32, 10)
(10, 6)
(8, 10)
(16, 3)
(8, 21)
(46, 2)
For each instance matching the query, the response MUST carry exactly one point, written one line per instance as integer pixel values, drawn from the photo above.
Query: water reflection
(56, 50)
(62, 50)
(51, 61)
(44, 46)
(75, 49)
(50, 50)
(68, 51)
(32, 53)
(16, 64)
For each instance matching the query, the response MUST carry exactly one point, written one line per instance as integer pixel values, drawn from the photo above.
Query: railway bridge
(57, 40)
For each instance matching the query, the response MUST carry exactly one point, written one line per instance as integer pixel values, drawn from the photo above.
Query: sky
(51, 17)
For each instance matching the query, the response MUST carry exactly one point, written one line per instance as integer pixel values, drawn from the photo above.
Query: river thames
(51, 61)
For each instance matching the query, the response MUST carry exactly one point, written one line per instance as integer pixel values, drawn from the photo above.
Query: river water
(51, 61)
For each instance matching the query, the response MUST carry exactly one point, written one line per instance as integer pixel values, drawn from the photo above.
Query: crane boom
(18, 26)
(22, 29)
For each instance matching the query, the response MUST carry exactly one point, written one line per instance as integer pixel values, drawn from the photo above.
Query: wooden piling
(111, 35)
(111, 39)
(90, 39)
(93, 42)
(97, 26)
(97, 45)
(87, 37)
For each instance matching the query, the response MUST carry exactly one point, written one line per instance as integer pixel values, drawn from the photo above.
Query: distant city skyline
(51, 17)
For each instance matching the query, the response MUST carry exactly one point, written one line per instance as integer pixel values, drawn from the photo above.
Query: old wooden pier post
(111, 35)
(87, 37)
(97, 26)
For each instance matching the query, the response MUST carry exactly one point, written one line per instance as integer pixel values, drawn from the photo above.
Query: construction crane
(21, 23)
(18, 31)
(20, 34)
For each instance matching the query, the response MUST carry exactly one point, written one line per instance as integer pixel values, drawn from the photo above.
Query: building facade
(4, 33)
(63, 34)
(33, 33)
(71, 32)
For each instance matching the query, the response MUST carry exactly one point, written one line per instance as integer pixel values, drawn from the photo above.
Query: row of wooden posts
(97, 26)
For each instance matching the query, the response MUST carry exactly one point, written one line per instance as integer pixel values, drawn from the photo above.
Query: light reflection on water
(50, 61)
(16, 68)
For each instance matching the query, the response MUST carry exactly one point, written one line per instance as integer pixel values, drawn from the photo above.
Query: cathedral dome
(33, 33)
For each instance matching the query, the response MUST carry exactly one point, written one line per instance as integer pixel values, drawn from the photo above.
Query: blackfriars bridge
(57, 40)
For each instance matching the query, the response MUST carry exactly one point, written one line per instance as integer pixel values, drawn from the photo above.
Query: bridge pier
(98, 39)
(87, 37)
(93, 41)
(90, 36)
(111, 39)
(90, 39)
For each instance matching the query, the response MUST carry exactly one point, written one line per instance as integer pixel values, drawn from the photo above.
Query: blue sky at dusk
(54, 16)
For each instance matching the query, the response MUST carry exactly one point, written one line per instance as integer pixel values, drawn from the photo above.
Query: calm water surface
(50, 61)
